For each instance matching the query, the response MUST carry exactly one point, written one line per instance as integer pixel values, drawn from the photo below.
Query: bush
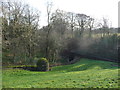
(43, 64)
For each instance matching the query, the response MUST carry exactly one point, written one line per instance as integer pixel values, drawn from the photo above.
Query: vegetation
(65, 39)
(43, 64)
(83, 74)
(23, 39)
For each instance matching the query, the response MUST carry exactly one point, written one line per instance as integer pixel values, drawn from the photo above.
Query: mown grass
(84, 74)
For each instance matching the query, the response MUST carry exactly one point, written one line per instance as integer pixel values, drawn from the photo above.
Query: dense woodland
(66, 35)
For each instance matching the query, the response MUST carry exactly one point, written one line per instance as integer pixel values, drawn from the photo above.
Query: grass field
(84, 74)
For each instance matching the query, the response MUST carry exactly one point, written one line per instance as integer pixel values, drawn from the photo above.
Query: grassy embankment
(84, 74)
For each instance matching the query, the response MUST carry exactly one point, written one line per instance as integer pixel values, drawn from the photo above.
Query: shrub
(43, 64)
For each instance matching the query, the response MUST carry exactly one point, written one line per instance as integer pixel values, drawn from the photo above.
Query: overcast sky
(95, 8)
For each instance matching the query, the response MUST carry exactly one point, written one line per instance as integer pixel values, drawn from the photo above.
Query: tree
(82, 20)
(49, 6)
(71, 20)
(72, 45)
(19, 25)
(90, 25)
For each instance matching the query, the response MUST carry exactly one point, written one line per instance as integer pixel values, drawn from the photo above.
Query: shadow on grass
(79, 66)
(30, 68)
(86, 65)
(27, 68)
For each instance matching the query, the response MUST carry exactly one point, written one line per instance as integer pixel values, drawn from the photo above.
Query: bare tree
(90, 25)
(82, 20)
(49, 7)
(71, 19)
(104, 27)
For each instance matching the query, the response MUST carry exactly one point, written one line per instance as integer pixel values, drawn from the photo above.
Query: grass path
(84, 74)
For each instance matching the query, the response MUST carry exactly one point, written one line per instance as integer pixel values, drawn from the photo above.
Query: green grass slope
(84, 74)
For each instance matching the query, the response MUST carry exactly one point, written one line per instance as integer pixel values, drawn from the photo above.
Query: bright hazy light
(95, 8)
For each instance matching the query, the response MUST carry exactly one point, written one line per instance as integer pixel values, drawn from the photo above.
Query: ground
(84, 74)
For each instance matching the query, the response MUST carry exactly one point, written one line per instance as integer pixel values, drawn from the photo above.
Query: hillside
(84, 74)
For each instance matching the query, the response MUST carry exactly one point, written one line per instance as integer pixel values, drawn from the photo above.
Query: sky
(95, 8)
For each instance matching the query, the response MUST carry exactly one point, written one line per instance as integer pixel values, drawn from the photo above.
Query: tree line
(23, 40)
